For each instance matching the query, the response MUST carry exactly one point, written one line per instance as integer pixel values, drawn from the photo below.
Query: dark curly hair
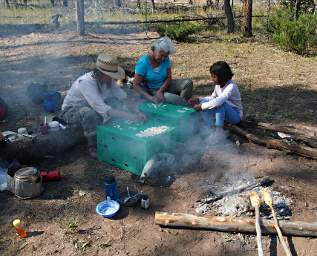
(222, 70)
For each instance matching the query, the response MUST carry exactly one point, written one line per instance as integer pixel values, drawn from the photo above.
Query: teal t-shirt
(153, 77)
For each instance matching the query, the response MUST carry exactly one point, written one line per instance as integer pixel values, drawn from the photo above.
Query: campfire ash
(230, 197)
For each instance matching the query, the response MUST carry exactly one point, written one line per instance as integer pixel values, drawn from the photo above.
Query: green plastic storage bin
(184, 119)
(129, 145)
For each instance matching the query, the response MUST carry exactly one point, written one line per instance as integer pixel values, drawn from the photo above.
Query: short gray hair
(164, 44)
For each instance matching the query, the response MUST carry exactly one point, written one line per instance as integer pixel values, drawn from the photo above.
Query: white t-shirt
(229, 94)
(86, 91)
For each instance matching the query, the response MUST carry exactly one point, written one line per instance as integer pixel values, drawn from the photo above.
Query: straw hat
(109, 65)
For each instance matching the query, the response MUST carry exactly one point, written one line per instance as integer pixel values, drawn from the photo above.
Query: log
(274, 143)
(53, 143)
(299, 132)
(165, 21)
(287, 128)
(233, 224)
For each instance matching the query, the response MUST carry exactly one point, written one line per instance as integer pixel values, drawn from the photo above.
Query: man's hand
(197, 107)
(142, 117)
(138, 118)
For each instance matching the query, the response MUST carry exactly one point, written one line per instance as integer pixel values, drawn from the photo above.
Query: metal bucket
(27, 183)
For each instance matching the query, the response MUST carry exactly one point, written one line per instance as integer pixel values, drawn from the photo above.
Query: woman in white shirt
(224, 104)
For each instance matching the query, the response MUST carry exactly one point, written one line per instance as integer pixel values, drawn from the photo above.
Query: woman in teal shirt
(153, 76)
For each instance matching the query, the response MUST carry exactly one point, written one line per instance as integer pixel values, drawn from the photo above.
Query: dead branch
(274, 143)
(301, 132)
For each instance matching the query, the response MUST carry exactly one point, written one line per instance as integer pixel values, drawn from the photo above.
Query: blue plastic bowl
(107, 208)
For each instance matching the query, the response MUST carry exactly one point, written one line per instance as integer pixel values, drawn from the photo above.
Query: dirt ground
(276, 87)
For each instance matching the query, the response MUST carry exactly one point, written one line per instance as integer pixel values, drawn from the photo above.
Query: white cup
(22, 130)
(145, 202)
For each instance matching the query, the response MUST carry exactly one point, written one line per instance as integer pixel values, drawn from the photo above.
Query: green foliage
(179, 32)
(305, 6)
(72, 224)
(295, 35)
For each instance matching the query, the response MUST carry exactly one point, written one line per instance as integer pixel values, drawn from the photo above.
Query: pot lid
(28, 173)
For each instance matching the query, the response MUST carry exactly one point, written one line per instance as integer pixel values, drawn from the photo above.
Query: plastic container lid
(27, 173)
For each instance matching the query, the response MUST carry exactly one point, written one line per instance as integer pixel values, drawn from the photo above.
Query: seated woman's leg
(172, 98)
(181, 87)
(179, 91)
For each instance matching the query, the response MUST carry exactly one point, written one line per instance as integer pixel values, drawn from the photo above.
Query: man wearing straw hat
(95, 97)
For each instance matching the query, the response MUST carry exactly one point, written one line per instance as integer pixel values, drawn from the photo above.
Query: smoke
(205, 150)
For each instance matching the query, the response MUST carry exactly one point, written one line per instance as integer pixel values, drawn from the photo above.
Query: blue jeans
(217, 116)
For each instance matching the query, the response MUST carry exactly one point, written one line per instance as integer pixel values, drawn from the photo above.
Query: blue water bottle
(111, 188)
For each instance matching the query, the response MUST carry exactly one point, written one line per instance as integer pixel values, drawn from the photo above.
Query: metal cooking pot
(27, 183)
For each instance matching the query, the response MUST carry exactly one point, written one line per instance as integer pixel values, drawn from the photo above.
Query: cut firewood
(274, 143)
(233, 224)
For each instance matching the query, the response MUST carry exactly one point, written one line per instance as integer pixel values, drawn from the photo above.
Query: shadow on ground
(15, 30)
(9, 30)
(285, 103)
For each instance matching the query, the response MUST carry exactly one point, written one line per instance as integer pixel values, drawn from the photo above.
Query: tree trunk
(80, 17)
(247, 9)
(65, 3)
(297, 8)
(118, 3)
(229, 14)
(7, 3)
(233, 224)
(209, 3)
(153, 5)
